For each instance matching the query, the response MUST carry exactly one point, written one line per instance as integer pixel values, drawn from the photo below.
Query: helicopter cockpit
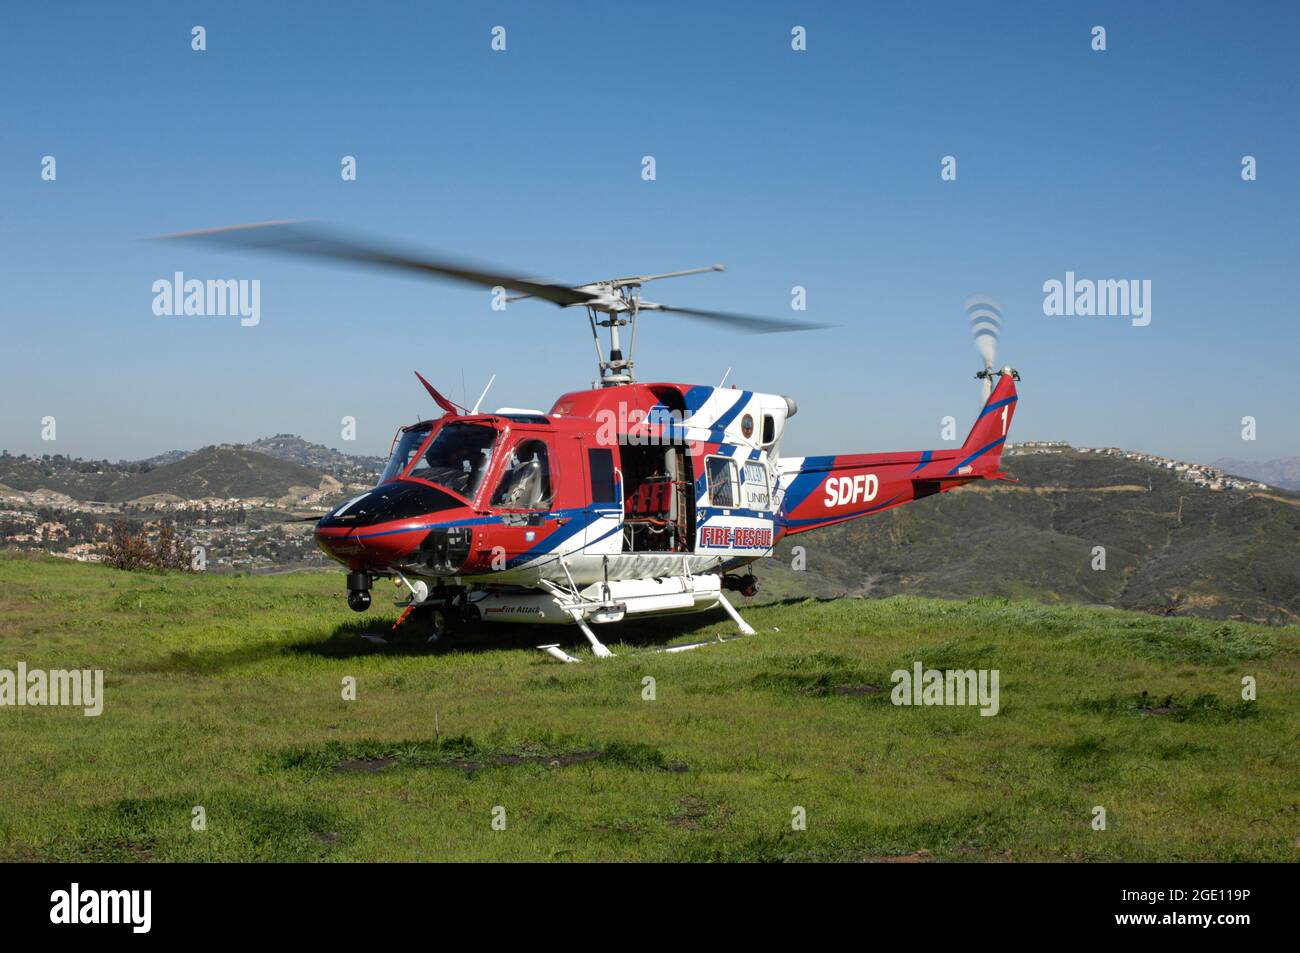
(405, 445)
(455, 455)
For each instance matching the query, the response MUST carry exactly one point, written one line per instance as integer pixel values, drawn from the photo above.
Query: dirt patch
(691, 811)
(561, 761)
(920, 857)
(1279, 499)
(464, 754)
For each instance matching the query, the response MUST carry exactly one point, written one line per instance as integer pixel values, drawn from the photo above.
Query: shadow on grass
(346, 640)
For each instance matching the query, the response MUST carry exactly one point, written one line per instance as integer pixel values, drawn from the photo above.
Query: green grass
(225, 692)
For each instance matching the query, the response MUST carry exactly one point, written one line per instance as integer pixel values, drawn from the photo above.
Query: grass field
(226, 693)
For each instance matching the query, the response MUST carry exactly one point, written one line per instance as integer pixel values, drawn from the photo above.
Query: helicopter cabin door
(527, 491)
(604, 516)
(736, 517)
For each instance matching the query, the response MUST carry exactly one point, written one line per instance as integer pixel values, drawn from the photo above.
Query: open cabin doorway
(658, 498)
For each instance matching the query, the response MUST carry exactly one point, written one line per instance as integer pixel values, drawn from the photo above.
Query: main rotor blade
(745, 322)
(642, 279)
(312, 241)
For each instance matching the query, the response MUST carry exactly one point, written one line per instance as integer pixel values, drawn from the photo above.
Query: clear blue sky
(818, 169)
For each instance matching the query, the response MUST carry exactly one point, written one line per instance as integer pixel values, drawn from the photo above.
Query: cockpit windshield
(457, 458)
(408, 443)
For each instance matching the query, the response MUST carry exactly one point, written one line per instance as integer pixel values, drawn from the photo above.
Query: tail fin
(981, 454)
(819, 491)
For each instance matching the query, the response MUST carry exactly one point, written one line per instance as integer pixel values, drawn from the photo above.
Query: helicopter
(622, 500)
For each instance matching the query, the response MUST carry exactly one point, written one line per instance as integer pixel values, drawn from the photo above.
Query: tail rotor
(985, 314)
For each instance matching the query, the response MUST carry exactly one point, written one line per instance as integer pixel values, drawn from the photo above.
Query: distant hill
(79, 479)
(219, 472)
(212, 472)
(291, 448)
(1171, 546)
(294, 449)
(126, 480)
(171, 456)
(1284, 472)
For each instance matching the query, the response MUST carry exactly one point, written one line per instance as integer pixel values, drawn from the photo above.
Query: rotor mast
(619, 367)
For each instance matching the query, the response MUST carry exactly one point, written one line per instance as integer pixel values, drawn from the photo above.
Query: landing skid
(601, 651)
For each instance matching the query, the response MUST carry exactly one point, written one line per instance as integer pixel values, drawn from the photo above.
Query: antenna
(724, 378)
(482, 395)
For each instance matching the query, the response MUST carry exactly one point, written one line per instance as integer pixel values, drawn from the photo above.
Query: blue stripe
(696, 397)
(805, 482)
(995, 405)
(718, 429)
(977, 454)
(481, 521)
(836, 517)
(925, 458)
(725, 420)
(553, 541)
(477, 521)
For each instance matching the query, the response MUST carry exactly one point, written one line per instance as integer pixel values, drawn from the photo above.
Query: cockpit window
(408, 442)
(526, 482)
(457, 458)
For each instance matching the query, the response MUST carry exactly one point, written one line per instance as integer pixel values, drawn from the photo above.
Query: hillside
(1171, 546)
(290, 448)
(79, 479)
(294, 449)
(219, 472)
(224, 691)
(177, 472)
(212, 472)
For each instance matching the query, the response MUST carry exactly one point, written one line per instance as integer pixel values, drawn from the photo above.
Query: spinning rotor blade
(985, 315)
(986, 324)
(642, 279)
(751, 323)
(305, 239)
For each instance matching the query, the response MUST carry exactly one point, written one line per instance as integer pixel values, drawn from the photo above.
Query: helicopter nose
(380, 527)
(357, 548)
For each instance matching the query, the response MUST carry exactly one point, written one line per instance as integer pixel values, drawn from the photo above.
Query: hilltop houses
(1212, 478)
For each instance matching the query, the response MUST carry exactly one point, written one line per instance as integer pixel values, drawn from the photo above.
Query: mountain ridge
(1283, 472)
(267, 468)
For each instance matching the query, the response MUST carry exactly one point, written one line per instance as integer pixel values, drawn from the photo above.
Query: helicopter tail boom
(821, 491)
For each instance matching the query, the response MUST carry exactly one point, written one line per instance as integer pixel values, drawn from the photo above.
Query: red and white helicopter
(625, 499)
